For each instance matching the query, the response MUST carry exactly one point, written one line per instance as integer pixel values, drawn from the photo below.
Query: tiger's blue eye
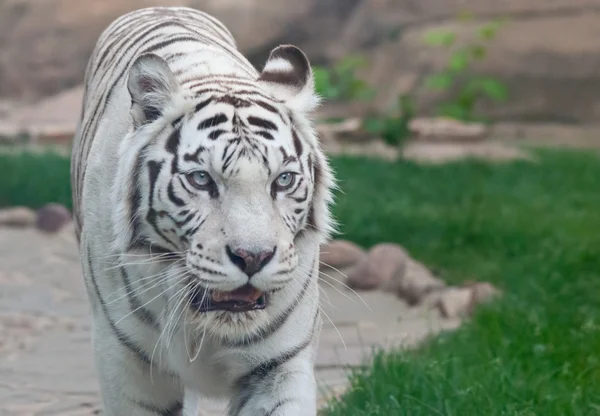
(285, 180)
(199, 179)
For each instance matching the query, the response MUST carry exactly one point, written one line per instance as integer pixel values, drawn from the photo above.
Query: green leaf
(350, 63)
(453, 110)
(489, 30)
(439, 38)
(322, 79)
(493, 88)
(441, 81)
(478, 52)
(407, 106)
(459, 60)
(373, 125)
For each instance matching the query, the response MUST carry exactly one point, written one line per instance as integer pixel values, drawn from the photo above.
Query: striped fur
(185, 154)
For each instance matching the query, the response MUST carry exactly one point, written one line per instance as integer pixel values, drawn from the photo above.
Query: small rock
(381, 265)
(414, 282)
(455, 302)
(447, 129)
(461, 301)
(482, 292)
(340, 254)
(17, 217)
(52, 217)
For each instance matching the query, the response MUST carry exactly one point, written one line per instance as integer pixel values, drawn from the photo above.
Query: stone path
(46, 365)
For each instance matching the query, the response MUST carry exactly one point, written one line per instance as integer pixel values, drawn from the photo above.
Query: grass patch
(531, 229)
(34, 179)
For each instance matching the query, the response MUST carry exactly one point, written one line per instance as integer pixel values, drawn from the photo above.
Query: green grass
(34, 179)
(534, 231)
(531, 229)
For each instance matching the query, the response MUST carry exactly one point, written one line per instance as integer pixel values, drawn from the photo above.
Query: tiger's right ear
(288, 76)
(152, 87)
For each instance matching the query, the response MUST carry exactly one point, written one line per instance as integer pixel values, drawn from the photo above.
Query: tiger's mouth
(243, 299)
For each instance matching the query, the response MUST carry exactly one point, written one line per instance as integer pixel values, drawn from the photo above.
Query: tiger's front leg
(283, 386)
(127, 383)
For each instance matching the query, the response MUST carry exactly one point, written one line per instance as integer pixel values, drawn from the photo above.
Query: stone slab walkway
(46, 365)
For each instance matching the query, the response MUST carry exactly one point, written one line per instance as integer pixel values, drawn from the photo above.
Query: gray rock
(17, 217)
(380, 267)
(414, 281)
(341, 254)
(52, 217)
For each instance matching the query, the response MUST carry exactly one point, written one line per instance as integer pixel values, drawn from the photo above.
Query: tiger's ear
(288, 75)
(152, 87)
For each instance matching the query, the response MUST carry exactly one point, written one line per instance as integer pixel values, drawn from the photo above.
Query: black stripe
(267, 106)
(172, 197)
(189, 157)
(212, 121)
(135, 198)
(144, 30)
(121, 337)
(172, 143)
(318, 183)
(298, 184)
(279, 404)
(170, 41)
(228, 158)
(154, 169)
(172, 410)
(206, 270)
(172, 146)
(261, 122)
(203, 104)
(297, 143)
(173, 56)
(206, 91)
(151, 248)
(265, 134)
(237, 102)
(136, 305)
(176, 121)
(186, 220)
(185, 186)
(250, 382)
(214, 135)
(251, 93)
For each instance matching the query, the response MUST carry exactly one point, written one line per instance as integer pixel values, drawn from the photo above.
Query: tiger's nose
(250, 262)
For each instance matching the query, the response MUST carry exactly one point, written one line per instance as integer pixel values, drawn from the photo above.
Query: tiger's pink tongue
(246, 293)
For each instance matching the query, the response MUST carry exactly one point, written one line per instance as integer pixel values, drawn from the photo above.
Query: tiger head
(227, 182)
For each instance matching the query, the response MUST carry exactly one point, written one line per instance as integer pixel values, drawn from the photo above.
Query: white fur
(199, 354)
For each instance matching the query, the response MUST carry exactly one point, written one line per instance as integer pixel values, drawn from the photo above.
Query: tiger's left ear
(152, 87)
(288, 75)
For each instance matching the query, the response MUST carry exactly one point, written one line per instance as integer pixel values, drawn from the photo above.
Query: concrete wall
(548, 53)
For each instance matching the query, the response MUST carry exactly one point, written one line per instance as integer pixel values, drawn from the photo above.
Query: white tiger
(201, 197)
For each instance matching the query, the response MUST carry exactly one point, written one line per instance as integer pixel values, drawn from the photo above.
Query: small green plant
(468, 89)
(393, 127)
(340, 82)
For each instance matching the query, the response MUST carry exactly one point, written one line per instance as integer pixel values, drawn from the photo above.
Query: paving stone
(45, 317)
